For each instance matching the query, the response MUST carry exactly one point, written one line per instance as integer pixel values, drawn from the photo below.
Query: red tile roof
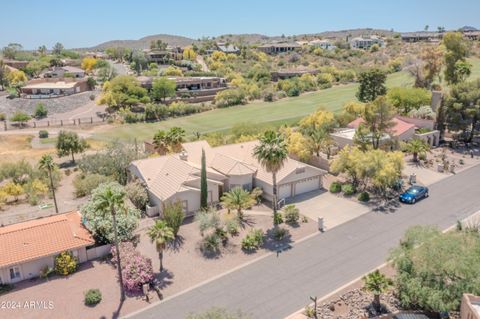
(43, 237)
(398, 129)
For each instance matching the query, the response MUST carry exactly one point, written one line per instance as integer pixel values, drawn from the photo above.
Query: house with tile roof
(176, 177)
(26, 248)
(404, 129)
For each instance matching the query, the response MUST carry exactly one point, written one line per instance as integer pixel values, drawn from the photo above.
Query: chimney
(183, 155)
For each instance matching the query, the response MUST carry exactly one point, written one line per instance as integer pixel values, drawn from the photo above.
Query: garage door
(284, 191)
(307, 185)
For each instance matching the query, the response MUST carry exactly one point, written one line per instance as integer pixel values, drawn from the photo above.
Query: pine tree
(203, 183)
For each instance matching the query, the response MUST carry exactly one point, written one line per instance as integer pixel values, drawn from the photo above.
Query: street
(278, 285)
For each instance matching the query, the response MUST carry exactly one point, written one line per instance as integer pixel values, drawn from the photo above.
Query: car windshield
(413, 191)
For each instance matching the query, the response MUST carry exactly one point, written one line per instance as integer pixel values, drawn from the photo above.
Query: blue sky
(90, 22)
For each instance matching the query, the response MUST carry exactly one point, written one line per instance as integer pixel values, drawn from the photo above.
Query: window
(14, 273)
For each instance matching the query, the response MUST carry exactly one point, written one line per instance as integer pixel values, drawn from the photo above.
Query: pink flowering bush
(136, 269)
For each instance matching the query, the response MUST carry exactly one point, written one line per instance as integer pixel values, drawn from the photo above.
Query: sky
(87, 23)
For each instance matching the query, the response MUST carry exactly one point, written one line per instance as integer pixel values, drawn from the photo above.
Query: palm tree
(238, 198)
(161, 142)
(47, 164)
(107, 200)
(272, 154)
(161, 234)
(415, 147)
(376, 283)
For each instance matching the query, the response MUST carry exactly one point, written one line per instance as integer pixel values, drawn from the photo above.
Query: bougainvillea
(136, 268)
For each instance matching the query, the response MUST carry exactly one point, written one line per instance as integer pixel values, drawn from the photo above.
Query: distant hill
(175, 40)
(144, 43)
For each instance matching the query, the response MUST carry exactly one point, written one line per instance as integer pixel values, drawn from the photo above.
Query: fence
(98, 252)
(8, 125)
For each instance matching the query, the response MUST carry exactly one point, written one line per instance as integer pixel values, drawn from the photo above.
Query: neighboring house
(421, 36)
(167, 56)
(228, 48)
(322, 44)
(177, 177)
(404, 129)
(63, 72)
(273, 48)
(191, 89)
(53, 87)
(366, 42)
(290, 73)
(15, 64)
(26, 248)
(470, 307)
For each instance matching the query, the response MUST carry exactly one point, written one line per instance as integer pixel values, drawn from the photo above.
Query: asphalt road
(277, 286)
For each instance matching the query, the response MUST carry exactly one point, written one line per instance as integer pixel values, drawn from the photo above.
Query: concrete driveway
(334, 209)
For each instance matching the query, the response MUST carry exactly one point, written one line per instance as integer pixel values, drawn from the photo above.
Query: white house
(366, 42)
(176, 177)
(64, 71)
(323, 44)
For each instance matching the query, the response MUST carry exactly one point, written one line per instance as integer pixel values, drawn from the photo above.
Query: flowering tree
(136, 269)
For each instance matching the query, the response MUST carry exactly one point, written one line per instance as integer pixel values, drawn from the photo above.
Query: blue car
(413, 194)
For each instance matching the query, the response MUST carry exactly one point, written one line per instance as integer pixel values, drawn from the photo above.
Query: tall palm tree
(108, 200)
(47, 164)
(272, 153)
(238, 199)
(415, 147)
(161, 234)
(377, 283)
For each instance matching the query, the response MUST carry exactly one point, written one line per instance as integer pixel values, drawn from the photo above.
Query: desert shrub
(309, 312)
(40, 111)
(364, 197)
(46, 271)
(325, 80)
(137, 194)
(92, 97)
(277, 219)
(232, 226)
(222, 234)
(65, 263)
(137, 269)
(173, 215)
(280, 233)
(3, 117)
(211, 243)
(348, 189)
(207, 219)
(84, 184)
(253, 240)
(43, 134)
(291, 214)
(92, 297)
(335, 187)
(230, 97)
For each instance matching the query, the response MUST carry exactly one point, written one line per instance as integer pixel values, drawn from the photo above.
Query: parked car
(413, 194)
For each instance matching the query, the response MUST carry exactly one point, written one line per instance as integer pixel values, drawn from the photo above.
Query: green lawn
(286, 110)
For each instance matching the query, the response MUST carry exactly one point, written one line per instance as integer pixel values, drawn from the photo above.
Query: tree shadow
(247, 221)
(273, 244)
(176, 244)
(116, 313)
(163, 279)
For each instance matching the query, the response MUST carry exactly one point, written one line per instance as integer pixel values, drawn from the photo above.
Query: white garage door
(284, 191)
(307, 185)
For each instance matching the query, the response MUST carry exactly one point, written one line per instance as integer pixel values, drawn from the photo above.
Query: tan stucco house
(28, 247)
(177, 177)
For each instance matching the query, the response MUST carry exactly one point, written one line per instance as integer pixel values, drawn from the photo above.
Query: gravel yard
(54, 106)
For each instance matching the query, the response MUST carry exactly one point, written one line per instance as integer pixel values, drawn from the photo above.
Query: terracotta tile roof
(398, 129)
(43, 237)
